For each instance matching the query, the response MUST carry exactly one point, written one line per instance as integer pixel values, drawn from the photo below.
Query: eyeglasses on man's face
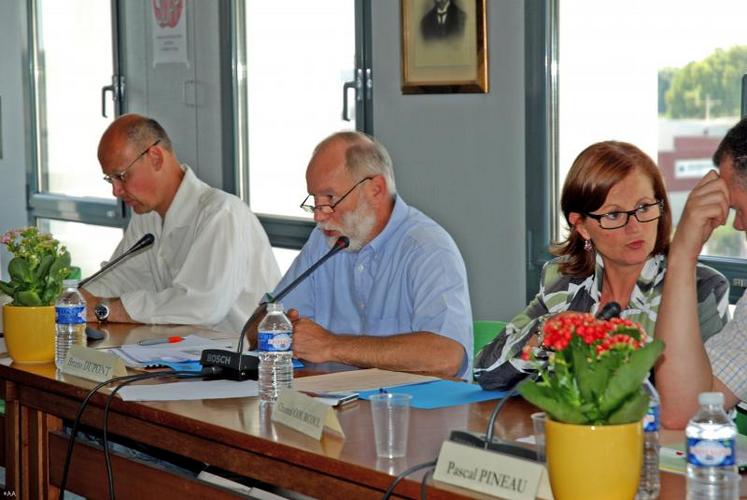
(121, 176)
(648, 212)
(329, 208)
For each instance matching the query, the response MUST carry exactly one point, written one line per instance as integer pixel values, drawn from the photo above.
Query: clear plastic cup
(391, 420)
(538, 423)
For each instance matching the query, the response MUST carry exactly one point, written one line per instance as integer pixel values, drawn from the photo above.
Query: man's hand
(310, 341)
(707, 208)
(91, 301)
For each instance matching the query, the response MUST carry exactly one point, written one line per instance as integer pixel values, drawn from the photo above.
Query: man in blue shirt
(397, 298)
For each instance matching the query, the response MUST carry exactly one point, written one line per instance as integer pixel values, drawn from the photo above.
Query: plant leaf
(20, 270)
(547, 399)
(632, 410)
(627, 379)
(43, 268)
(28, 298)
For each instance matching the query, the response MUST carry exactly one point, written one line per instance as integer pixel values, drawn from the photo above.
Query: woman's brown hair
(592, 175)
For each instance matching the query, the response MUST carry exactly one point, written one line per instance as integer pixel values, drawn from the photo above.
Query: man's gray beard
(356, 225)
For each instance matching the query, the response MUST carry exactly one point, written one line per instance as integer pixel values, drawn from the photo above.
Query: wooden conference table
(232, 434)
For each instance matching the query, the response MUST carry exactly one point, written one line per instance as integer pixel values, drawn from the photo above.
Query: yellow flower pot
(594, 462)
(29, 333)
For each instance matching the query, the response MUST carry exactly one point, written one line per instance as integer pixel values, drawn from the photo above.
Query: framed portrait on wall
(444, 46)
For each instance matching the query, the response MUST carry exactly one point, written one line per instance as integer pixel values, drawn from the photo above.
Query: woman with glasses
(619, 227)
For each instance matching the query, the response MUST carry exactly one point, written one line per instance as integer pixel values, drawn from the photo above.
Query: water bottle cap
(275, 307)
(711, 398)
(70, 283)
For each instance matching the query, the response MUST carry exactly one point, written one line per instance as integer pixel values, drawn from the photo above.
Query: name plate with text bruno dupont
(93, 364)
(492, 473)
(305, 414)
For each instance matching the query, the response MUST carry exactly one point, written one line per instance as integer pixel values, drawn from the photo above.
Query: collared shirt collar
(398, 215)
(180, 212)
(651, 274)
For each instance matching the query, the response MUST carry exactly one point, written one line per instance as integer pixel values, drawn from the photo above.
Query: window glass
(664, 75)
(284, 257)
(299, 55)
(75, 61)
(77, 238)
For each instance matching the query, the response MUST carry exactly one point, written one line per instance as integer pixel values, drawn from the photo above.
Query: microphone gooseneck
(143, 243)
(238, 366)
(609, 311)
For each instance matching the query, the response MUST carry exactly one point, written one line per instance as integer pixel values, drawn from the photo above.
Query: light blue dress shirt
(410, 278)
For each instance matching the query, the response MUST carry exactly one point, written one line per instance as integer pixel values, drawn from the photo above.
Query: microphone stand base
(499, 446)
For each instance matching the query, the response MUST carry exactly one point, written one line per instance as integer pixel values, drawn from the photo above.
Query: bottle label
(711, 452)
(274, 341)
(70, 315)
(651, 419)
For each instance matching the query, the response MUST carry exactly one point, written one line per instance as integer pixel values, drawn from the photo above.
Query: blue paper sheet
(441, 394)
(195, 366)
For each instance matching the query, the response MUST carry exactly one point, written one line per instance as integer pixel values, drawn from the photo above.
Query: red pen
(167, 340)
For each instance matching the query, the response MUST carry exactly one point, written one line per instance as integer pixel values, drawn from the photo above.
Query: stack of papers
(189, 349)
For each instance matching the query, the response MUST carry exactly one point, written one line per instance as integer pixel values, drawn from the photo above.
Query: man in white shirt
(211, 261)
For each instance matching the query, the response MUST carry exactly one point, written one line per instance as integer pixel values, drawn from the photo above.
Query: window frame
(284, 231)
(41, 203)
(542, 179)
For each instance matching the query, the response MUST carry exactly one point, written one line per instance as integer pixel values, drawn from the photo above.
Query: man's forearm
(421, 352)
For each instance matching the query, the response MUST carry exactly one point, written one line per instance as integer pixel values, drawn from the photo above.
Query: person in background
(619, 224)
(720, 365)
(443, 22)
(397, 299)
(211, 261)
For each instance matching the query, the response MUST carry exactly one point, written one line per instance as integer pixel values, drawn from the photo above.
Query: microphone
(142, 244)
(231, 365)
(609, 311)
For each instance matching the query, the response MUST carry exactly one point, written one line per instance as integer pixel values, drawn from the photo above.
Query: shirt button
(359, 268)
(362, 305)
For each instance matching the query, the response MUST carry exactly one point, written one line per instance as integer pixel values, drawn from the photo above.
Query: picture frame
(444, 46)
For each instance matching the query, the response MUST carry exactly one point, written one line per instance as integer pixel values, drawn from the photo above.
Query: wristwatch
(101, 311)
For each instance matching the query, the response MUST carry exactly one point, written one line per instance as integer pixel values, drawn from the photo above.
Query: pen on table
(167, 340)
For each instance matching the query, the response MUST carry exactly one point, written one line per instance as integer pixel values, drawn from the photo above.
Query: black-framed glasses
(643, 213)
(329, 208)
(121, 176)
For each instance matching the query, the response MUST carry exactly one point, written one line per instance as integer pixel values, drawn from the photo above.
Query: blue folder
(441, 394)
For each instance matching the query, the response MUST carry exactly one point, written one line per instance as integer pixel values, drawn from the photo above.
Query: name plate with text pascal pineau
(492, 473)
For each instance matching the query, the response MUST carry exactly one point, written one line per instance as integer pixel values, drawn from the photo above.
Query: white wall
(460, 158)
(13, 125)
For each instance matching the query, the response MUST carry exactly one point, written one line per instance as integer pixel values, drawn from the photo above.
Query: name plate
(492, 473)
(305, 414)
(93, 364)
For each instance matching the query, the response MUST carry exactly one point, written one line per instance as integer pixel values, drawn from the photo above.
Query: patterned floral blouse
(498, 365)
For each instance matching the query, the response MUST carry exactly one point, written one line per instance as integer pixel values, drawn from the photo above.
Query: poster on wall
(169, 32)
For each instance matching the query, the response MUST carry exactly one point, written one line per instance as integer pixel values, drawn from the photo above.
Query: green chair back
(485, 331)
(741, 420)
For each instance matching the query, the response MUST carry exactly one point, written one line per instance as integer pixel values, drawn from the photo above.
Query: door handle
(356, 84)
(104, 90)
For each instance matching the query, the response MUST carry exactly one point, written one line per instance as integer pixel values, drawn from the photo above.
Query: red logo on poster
(167, 12)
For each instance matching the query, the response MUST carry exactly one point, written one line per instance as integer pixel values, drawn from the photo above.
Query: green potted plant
(592, 391)
(37, 269)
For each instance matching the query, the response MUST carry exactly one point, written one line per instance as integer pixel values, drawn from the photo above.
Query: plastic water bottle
(649, 485)
(70, 320)
(711, 451)
(275, 337)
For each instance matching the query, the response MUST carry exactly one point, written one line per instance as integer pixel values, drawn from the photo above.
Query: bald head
(364, 156)
(137, 158)
(133, 130)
